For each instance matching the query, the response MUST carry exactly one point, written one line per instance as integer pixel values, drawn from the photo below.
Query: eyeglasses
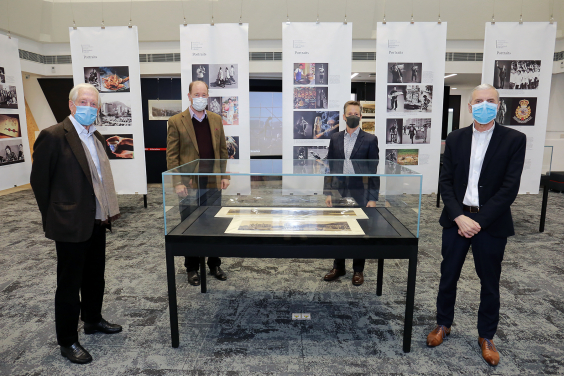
(87, 104)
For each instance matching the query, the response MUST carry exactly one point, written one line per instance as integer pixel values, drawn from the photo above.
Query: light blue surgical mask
(484, 112)
(86, 115)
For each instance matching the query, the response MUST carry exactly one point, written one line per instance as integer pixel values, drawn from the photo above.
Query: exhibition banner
(316, 84)
(219, 55)
(410, 67)
(518, 61)
(108, 58)
(15, 159)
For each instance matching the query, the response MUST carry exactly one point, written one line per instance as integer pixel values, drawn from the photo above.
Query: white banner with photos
(15, 158)
(109, 59)
(518, 62)
(219, 55)
(315, 86)
(410, 67)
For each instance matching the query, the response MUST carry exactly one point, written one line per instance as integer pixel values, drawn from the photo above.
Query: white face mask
(199, 104)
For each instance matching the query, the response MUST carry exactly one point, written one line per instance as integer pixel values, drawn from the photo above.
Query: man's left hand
(371, 204)
(224, 183)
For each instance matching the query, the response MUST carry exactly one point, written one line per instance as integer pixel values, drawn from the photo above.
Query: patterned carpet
(243, 326)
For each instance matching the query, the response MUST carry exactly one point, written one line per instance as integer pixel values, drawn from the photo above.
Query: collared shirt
(480, 142)
(350, 140)
(193, 114)
(87, 136)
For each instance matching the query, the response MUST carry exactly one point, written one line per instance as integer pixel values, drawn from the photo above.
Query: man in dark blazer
(344, 148)
(73, 185)
(479, 181)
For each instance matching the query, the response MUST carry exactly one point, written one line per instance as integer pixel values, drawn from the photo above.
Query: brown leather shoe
(357, 279)
(334, 274)
(436, 337)
(489, 352)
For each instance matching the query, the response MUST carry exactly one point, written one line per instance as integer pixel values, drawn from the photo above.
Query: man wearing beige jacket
(197, 134)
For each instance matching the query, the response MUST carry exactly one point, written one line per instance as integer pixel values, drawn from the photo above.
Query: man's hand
(328, 202)
(467, 227)
(181, 190)
(371, 204)
(224, 183)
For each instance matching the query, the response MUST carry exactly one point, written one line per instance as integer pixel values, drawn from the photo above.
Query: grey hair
(483, 87)
(75, 91)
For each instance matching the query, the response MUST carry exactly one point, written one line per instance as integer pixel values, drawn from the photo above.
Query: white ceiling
(49, 20)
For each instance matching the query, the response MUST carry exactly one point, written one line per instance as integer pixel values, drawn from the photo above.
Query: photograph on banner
(10, 126)
(406, 157)
(223, 76)
(368, 108)
(8, 96)
(163, 109)
(311, 98)
(226, 107)
(304, 74)
(315, 124)
(108, 79)
(115, 110)
(232, 147)
(120, 146)
(322, 72)
(396, 97)
(399, 73)
(517, 111)
(416, 131)
(2, 75)
(313, 153)
(418, 98)
(201, 72)
(11, 151)
(394, 131)
(517, 74)
(368, 125)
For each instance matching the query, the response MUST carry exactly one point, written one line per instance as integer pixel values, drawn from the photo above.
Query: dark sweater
(203, 137)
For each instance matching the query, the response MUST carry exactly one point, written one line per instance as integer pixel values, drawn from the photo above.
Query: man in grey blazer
(73, 185)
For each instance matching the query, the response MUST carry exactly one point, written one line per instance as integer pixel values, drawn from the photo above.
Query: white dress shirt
(87, 136)
(480, 142)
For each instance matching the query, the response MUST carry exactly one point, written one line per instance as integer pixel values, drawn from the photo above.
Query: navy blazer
(365, 147)
(499, 180)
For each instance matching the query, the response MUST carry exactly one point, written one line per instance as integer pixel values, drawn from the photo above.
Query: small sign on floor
(301, 316)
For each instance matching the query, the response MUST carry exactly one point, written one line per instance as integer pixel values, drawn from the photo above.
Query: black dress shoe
(102, 326)
(194, 278)
(76, 353)
(218, 273)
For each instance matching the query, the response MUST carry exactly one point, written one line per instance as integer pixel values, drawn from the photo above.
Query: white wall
(37, 102)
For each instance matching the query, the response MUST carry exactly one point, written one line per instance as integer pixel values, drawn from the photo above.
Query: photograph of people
(397, 74)
(418, 98)
(404, 73)
(230, 113)
(201, 72)
(322, 73)
(224, 76)
(396, 97)
(394, 129)
(417, 131)
(326, 123)
(304, 73)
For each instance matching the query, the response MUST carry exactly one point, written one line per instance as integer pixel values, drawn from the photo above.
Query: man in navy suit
(479, 181)
(344, 147)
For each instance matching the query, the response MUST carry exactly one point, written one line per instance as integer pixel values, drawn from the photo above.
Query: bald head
(197, 86)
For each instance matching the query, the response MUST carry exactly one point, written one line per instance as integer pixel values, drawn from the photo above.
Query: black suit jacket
(62, 184)
(365, 147)
(499, 180)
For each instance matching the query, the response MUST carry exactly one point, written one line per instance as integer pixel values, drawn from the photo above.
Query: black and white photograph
(8, 96)
(201, 72)
(119, 146)
(164, 109)
(418, 98)
(304, 73)
(115, 110)
(368, 125)
(406, 73)
(2, 75)
(108, 79)
(517, 111)
(517, 74)
(396, 97)
(223, 76)
(232, 147)
(11, 151)
(214, 105)
(10, 126)
(321, 97)
(368, 108)
(394, 131)
(416, 131)
(315, 124)
(305, 98)
(392, 155)
(315, 154)
(321, 73)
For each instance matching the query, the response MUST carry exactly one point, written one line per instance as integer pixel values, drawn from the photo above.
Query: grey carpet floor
(243, 326)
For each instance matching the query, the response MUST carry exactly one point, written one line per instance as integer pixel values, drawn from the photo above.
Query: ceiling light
(450, 75)
(354, 75)
(454, 88)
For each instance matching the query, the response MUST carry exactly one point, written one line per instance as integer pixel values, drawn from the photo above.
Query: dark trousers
(488, 255)
(80, 284)
(358, 264)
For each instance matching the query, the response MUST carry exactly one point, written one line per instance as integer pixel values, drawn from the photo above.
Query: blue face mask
(484, 112)
(86, 115)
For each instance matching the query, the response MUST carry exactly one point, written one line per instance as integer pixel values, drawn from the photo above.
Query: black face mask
(353, 121)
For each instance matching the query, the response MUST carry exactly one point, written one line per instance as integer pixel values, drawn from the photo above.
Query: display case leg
(172, 304)
(409, 303)
(379, 277)
(543, 209)
(203, 283)
(145, 201)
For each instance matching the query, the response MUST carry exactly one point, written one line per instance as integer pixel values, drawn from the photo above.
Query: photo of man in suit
(197, 134)
(74, 188)
(479, 181)
(349, 145)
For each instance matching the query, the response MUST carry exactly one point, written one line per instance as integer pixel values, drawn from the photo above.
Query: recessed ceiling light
(450, 75)
(454, 88)
(354, 75)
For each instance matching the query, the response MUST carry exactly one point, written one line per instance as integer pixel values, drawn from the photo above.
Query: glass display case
(547, 160)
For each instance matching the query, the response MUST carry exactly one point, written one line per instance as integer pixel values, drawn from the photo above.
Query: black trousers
(80, 284)
(358, 264)
(488, 254)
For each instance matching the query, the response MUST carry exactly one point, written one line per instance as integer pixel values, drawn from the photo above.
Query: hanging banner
(518, 61)
(219, 55)
(109, 59)
(15, 158)
(316, 85)
(410, 67)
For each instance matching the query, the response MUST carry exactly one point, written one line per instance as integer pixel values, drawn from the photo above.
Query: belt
(471, 209)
